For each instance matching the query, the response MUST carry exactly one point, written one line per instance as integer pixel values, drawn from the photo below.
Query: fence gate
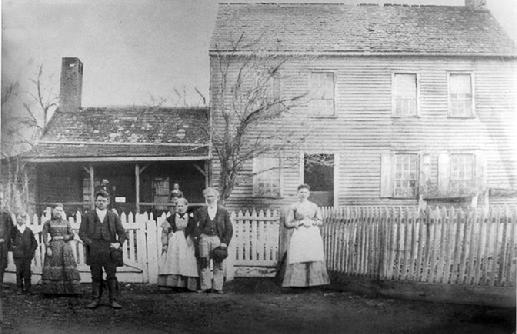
(254, 247)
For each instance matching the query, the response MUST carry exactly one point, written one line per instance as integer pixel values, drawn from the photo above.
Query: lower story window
(266, 176)
(406, 175)
(462, 172)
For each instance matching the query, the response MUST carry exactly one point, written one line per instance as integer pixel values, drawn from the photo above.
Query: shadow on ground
(248, 306)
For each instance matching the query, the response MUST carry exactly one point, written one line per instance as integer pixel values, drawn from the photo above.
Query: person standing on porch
(214, 231)
(178, 264)
(305, 257)
(6, 226)
(102, 233)
(24, 245)
(60, 275)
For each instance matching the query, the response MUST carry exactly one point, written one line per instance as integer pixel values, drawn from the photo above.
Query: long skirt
(305, 259)
(60, 274)
(178, 266)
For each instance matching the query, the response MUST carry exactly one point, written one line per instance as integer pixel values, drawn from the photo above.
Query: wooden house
(406, 104)
(140, 151)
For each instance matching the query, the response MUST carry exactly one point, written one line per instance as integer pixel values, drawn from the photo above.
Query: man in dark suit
(102, 233)
(214, 229)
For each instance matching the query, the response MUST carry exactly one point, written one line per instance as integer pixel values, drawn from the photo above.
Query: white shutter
(443, 173)
(425, 174)
(481, 174)
(386, 175)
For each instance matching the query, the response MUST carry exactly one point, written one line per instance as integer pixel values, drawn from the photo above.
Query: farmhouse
(141, 151)
(405, 104)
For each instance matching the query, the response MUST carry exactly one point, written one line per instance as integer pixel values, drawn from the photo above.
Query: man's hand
(164, 248)
(49, 251)
(115, 245)
(223, 245)
(1, 240)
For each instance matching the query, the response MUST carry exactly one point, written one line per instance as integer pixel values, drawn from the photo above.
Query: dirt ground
(248, 306)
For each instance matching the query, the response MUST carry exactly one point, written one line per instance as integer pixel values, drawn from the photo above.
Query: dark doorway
(318, 173)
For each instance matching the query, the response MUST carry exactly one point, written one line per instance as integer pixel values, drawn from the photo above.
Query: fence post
(152, 250)
(229, 262)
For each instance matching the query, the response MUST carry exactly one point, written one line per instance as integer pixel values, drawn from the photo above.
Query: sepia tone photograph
(245, 166)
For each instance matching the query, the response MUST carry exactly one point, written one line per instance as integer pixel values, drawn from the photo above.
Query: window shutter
(425, 174)
(443, 173)
(254, 177)
(386, 175)
(481, 171)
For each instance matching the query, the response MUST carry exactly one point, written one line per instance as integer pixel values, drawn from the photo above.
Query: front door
(318, 173)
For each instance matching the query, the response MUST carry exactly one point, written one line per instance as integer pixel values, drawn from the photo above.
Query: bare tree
(247, 109)
(24, 117)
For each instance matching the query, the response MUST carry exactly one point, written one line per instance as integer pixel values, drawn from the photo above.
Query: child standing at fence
(24, 245)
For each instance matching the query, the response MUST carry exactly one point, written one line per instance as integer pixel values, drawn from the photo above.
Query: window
(461, 102)
(405, 96)
(266, 176)
(400, 174)
(462, 173)
(406, 175)
(321, 93)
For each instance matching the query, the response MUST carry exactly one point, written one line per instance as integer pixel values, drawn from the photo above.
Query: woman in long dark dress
(60, 274)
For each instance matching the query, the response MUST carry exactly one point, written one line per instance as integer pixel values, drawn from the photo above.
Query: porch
(142, 186)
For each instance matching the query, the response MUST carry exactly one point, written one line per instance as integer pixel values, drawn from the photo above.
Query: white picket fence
(254, 244)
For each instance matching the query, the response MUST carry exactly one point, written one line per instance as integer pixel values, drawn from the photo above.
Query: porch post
(137, 184)
(92, 188)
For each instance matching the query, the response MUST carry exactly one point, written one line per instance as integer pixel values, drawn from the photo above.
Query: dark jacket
(173, 227)
(223, 224)
(23, 244)
(6, 226)
(90, 229)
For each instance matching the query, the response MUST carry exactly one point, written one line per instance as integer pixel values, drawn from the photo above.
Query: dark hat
(220, 253)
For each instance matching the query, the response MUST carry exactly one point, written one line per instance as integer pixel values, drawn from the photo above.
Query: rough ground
(249, 306)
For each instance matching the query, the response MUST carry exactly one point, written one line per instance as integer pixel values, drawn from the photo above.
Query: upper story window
(321, 95)
(405, 94)
(266, 176)
(461, 97)
(461, 173)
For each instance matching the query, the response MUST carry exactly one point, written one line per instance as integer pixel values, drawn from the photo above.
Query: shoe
(93, 304)
(219, 292)
(202, 291)
(115, 305)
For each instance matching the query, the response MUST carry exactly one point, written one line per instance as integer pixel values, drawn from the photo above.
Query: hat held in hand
(219, 253)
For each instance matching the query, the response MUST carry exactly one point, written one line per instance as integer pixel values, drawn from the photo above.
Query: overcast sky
(130, 49)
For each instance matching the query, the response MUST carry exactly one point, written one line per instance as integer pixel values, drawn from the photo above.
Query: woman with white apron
(305, 258)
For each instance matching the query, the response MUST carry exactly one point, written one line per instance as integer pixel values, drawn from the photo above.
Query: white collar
(21, 228)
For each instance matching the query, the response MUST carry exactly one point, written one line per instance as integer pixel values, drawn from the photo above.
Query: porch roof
(125, 133)
(55, 151)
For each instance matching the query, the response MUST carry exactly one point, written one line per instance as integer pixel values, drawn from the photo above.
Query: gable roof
(363, 29)
(130, 132)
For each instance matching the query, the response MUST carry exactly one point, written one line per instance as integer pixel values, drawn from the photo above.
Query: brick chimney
(71, 84)
(476, 4)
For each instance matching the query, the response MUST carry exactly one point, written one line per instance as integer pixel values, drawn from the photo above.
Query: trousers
(206, 244)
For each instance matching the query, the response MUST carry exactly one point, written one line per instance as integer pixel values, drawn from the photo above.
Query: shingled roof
(363, 29)
(136, 132)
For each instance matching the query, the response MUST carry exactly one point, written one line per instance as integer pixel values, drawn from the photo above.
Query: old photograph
(246, 166)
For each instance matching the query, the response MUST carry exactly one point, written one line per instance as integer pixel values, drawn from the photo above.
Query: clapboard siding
(363, 126)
